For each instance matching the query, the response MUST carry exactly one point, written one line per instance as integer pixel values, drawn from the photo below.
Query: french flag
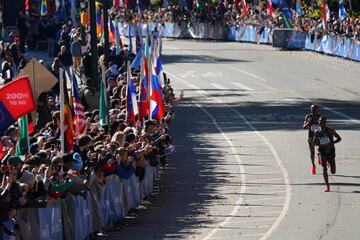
(131, 102)
(156, 102)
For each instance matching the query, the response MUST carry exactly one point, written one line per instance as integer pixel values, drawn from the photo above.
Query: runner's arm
(336, 135)
(307, 122)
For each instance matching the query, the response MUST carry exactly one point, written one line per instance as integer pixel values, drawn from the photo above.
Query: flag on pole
(118, 43)
(144, 104)
(43, 10)
(99, 21)
(112, 36)
(103, 108)
(157, 109)
(131, 103)
(116, 3)
(27, 6)
(73, 13)
(68, 121)
(244, 7)
(236, 4)
(298, 7)
(22, 147)
(342, 11)
(138, 58)
(1, 151)
(79, 120)
(270, 9)
(325, 13)
(61, 11)
(130, 47)
(16, 100)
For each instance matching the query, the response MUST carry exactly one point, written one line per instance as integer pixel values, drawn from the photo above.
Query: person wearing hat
(15, 161)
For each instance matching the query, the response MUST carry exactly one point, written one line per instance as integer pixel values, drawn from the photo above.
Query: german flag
(68, 122)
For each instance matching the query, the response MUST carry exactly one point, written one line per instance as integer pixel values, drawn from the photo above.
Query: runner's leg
(312, 156)
(325, 173)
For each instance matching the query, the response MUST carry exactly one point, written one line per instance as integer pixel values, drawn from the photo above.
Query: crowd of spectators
(221, 14)
(44, 176)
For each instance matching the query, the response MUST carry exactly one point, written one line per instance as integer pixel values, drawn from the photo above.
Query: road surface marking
(275, 154)
(218, 86)
(263, 199)
(243, 183)
(242, 86)
(262, 180)
(245, 72)
(356, 121)
(265, 86)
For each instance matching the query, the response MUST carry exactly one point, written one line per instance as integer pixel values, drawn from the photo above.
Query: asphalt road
(242, 167)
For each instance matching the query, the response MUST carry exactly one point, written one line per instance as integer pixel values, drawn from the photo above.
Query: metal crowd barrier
(77, 217)
(333, 45)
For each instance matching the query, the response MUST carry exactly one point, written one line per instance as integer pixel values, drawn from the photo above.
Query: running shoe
(313, 170)
(327, 189)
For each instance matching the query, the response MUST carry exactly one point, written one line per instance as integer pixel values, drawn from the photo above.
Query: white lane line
(257, 213)
(265, 180)
(242, 86)
(243, 183)
(218, 86)
(265, 86)
(263, 199)
(356, 121)
(277, 158)
(253, 221)
(245, 72)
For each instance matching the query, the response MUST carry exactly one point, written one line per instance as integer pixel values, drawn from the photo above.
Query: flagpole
(62, 120)
(127, 88)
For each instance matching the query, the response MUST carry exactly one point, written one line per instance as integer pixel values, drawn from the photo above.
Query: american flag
(79, 120)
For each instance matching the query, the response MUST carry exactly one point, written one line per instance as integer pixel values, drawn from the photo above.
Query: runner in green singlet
(324, 139)
(311, 123)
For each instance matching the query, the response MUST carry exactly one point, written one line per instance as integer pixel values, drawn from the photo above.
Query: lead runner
(324, 139)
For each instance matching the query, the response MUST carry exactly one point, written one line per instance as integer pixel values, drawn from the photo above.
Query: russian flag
(156, 102)
(131, 102)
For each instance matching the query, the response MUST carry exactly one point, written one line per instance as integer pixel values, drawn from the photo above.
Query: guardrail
(77, 217)
(333, 45)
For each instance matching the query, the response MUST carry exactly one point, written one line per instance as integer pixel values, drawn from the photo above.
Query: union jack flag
(79, 120)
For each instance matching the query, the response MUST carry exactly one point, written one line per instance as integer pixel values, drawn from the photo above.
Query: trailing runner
(311, 123)
(324, 139)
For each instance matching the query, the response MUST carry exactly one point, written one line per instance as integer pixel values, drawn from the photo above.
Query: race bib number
(324, 140)
(314, 127)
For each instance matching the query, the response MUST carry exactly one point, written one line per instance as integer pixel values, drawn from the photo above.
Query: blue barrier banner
(116, 205)
(288, 39)
(83, 216)
(10, 226)
(338, 46)
(50, 223)
(104, 206)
